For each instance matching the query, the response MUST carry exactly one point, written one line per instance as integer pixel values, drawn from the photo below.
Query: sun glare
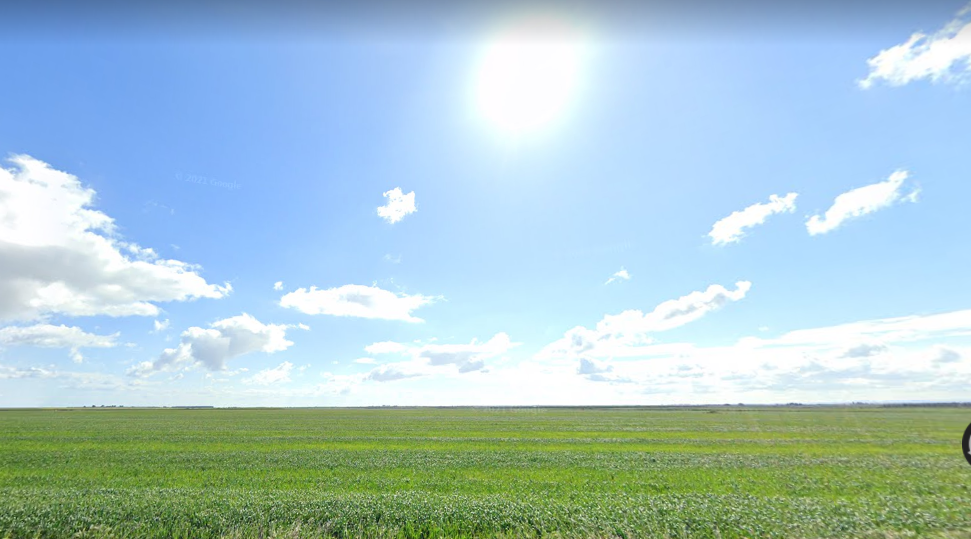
(528, 75)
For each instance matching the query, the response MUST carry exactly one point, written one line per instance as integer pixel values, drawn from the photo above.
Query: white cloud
(430, 358)
(943, 56)
(884, 359)
(160, 325)
(212, 348)
(49, 336)
(278, 285)
(633, 328)
(468, 357)
(879, 332)
(399, 205)
(592, 366)
(862, 201)
(356, 300)
(385, 347)
(392, 372)
(731, 229)
(622, 274)
(365, 361)
(276, 375)
(60, 256)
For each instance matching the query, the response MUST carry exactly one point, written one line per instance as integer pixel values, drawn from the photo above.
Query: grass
(723, 472)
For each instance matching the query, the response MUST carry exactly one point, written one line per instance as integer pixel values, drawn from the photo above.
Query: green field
(430, 472)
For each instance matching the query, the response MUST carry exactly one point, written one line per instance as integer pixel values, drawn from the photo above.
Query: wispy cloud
(731, 229)
(943, 56)
(356, 301)
(50, 336)
(862, 201)
(620, 275)
(634, 328)
(278, 285)
(159, 326)
(276, 375)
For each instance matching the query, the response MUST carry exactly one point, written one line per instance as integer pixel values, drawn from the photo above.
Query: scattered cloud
(943, 56)
(620, 275)
(60, 256)
(278, 285)
(399, 205)
(212, 348)
(276, 375)
(356, 301)
(430, 358)
(731, 229)
(468, 357)
(946, 355)
(865, 350)
(592, 366)
(385, 347)
(392, 372)
(160, 325)
(882, 359)
(15, 373)
(633, 328)
(862, 201)
(392, 259)
(49, 336)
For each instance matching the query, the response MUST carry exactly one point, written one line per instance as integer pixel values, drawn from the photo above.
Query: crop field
(725, 472)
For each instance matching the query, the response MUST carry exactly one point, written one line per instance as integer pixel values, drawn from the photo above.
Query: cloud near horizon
(51, 336)
(212, 348)
(633, 328)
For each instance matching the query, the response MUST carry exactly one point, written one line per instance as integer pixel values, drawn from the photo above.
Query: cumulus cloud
(620, 275)
(60, 256)
(731, 229)
(943, 56)
(278, 285)
(633, 328)
(211, 348)
(276, 375)
(399, 205)
(49, 336)
(862, 201)
(160, 325)
(357, 301)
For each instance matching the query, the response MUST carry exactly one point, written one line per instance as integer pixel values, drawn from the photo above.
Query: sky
(527, 205)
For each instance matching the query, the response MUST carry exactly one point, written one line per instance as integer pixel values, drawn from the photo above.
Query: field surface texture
(723, 472)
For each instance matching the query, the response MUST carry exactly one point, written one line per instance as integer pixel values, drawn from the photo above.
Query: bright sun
(527, 76)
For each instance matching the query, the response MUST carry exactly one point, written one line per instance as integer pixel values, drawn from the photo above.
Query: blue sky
(781, 217)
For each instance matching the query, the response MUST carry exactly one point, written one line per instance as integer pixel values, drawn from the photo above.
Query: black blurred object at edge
(966, 444)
